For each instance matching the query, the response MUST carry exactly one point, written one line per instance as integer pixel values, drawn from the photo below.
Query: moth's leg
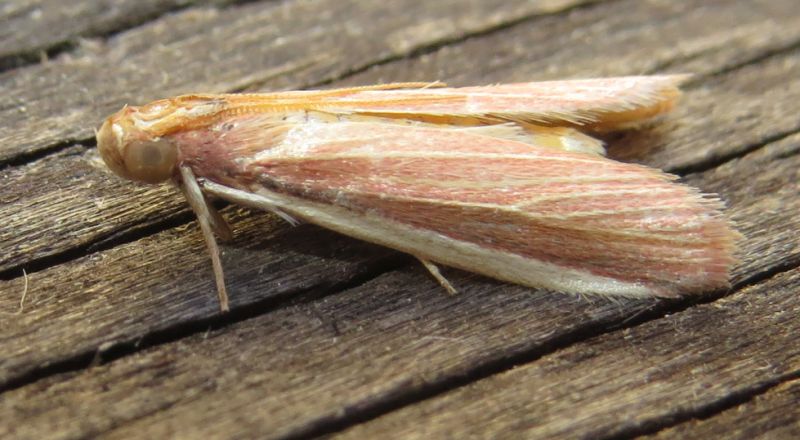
(210, 221)
(247, 199)
(218, 224)
(434, 270)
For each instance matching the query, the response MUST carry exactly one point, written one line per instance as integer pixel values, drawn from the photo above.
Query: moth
(502, 180)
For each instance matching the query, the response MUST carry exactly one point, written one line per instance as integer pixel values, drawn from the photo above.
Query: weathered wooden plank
(626, 382)
(275, 45)
(774, 414)
(31, 27)
(296, 368)
(390, 338)
(678, 142)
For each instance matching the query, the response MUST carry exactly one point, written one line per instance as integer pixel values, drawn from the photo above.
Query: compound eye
(151, 161)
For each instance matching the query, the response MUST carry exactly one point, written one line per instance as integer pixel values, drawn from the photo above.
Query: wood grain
(33, 28)
(623, 383)
(118, 297)
(69, 200)
(774, 414)
(119, 334)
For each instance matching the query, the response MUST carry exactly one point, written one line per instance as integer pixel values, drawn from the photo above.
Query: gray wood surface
(119, 334)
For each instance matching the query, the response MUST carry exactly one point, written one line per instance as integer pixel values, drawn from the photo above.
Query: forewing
(576, 211)
(605, 103)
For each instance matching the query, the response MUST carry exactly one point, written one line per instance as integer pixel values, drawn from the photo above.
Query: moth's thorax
(207, 152)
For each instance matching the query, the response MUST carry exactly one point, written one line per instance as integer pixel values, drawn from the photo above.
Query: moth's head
(132, 142)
